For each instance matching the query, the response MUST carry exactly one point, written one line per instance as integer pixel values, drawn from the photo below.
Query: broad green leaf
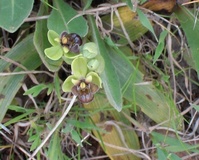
(191, 30)
(109, 77)
(13, 13)
(41, 41)
(160, 46)
(153, 102)
(145, 22)
(24, 53)
(63, 19)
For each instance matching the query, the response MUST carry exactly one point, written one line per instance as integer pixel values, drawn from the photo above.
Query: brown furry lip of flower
(72, 41)
(85, 91)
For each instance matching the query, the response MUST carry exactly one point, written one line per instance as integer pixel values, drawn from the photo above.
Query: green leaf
(173, 144)
(87, 4)
(55, 151)
(174, 157)
(35, 143)
(24, 53)
(79, 67)
(196, 107)
(41, 41)
(109, 77)
(34, 91)
(162, 154)
(146, 23)
(13, 13)
(131, 4)
(65, 20)
(153, 102)
(19, 118)
(32, 138)
(191, 30)
(160, 46)
(54, 53)
(19, 109)
(57, 87)
(76, 137)
(83, 125)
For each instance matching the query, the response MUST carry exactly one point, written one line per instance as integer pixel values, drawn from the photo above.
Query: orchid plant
(86, 64)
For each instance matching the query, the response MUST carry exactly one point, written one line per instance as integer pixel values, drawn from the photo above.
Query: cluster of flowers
(85, 60)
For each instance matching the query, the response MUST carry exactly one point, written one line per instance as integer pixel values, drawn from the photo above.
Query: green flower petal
(52, 38)
(67, 85)
(90, 50)
(54, 53)
(79, 67)
(95, 79)
(89, 79)
(75, 81)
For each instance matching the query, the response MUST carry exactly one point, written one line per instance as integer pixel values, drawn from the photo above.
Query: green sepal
(90, 50)
(71, 55)
(93, 64)
(88, 79)
(52, 38)
(79, 67)
(95, 79)
(101, 65)
(68, 84)
(54, 53)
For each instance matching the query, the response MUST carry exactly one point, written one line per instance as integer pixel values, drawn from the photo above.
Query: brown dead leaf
(157, 5)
